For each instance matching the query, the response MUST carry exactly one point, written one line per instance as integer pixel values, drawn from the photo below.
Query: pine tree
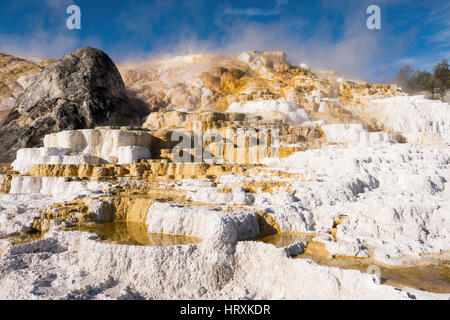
(442, 75)
(413, 81)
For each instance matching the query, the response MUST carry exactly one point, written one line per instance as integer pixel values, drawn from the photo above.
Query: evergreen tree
(442, 75)
(413, 81)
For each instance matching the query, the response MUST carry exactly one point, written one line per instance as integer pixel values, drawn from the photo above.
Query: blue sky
(328, 34)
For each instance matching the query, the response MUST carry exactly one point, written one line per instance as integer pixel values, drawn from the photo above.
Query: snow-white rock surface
(28, 157)
(55, 186)
(214, 195)
(391, 201)
(420, 120)
(90, 146)
(393, 196)
(99, 142)
(73, 265)
(132, 154)
(353, 134)
(390, 197)
(28, 195)
(201, 222)
(295, 114)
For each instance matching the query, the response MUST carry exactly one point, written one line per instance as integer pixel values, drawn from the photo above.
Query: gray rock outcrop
(81, 90)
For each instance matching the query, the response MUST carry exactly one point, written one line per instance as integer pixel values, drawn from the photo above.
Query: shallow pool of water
(23, 238)
(434, 277)
(133, 233)
(286, 239)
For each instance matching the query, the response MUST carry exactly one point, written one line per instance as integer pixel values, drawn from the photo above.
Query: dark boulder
(82, 90)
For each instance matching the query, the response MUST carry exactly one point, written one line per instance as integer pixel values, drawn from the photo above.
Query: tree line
(414, 81)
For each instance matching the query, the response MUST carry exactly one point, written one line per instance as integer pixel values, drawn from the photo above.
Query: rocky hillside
(81, 90)
(203, 82)
(15, 74)
(213, 83)
(85, 89)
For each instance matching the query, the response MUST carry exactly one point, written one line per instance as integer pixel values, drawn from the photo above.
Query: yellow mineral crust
(129, 202)
(267, 224)
(147, 169)
(5, 183)
(131, 209)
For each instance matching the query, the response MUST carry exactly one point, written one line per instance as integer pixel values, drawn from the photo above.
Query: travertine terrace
(232, 150)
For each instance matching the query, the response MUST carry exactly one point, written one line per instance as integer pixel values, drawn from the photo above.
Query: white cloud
(423, 62)
(44, 44)
(41, 40)
(58, 4)
(38, 44)
(277, 9)
(353, 54)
